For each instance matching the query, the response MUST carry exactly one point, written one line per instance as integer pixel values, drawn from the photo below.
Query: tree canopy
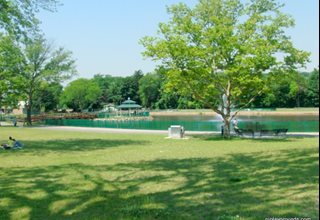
(80, 94)
(11, 81)
(225, 52)
(149, 89)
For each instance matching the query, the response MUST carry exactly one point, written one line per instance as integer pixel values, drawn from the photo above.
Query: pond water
(304, 123)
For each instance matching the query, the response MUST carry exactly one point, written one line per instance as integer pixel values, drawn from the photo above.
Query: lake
(294, 123)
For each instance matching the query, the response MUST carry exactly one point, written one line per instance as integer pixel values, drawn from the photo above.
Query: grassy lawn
(76, 175)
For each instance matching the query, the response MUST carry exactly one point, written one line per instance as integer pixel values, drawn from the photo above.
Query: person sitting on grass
(14, 143)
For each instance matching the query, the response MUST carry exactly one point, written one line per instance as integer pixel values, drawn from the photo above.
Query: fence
(124, 114)
(145, 125)
(292, 126)
(7, 117)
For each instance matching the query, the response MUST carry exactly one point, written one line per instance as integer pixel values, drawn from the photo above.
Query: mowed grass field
(83, 175)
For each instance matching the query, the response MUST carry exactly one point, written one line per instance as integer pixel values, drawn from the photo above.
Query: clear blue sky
(103, 34)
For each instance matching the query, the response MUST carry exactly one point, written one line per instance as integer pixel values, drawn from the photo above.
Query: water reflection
(294, 123)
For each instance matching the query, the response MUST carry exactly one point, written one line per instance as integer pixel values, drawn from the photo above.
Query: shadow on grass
(76, 145)
(236, 138)
(251, 186)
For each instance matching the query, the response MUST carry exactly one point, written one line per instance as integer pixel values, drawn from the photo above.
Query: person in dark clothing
(6, 147)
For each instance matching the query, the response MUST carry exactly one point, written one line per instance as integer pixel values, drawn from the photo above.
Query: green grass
(77, 175)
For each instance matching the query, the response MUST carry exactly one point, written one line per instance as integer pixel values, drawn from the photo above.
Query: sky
(104, 34)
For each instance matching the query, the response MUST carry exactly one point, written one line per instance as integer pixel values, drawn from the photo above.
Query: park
(89, 175)
(220, 122)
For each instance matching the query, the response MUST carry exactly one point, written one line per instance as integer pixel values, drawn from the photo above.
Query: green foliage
(221, 50)
(18, 17)
(117, 89)
(30, 65)
(291, 90)
(114, 91)
(110, 87)
(42, 63)
(130, 87)
(10, 78)
(313, 88)
(80, 94)
(149, 89)
(168, 100)
(46, 98)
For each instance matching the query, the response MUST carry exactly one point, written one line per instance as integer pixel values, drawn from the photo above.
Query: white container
(176, 131)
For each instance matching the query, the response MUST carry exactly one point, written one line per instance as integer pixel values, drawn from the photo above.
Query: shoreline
(142, 131)
(241, 113)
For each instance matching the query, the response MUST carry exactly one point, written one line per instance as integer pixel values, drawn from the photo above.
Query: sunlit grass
(78, 175)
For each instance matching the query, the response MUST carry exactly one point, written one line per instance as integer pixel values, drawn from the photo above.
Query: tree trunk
(227, 111)
(29, 110)
(29, 121)
(226, 116)
(226, 130)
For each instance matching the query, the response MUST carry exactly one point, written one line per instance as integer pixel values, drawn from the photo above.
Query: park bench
(281, 132)
(267, 133)
(274, 133)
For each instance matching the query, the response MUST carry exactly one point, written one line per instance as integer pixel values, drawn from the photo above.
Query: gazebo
(129, 105)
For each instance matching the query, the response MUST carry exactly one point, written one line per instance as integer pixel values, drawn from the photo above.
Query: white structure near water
(176, 131)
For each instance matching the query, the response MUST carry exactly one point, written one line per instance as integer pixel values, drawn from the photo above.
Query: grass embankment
(69, 175)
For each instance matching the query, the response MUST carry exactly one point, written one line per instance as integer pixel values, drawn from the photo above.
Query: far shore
(278, 112)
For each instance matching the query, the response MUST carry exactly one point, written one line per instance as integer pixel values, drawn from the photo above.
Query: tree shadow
(237, 138)
(247, 186)
(213, 137)
(43, 146)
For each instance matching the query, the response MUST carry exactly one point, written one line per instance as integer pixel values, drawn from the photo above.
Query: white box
(176, 131)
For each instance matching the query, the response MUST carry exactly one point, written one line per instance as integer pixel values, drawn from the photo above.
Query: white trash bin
(176, 131)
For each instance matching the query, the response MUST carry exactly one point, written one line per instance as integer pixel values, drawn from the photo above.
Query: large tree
(41, 62)
(224, 52)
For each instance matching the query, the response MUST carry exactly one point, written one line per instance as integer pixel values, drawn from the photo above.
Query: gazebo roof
(129, 104)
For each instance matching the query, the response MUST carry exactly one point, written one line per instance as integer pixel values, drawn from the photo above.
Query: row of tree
(302, 90)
